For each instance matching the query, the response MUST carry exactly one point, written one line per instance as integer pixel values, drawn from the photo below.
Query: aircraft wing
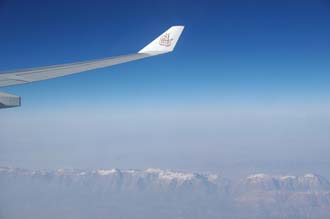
(163, 44)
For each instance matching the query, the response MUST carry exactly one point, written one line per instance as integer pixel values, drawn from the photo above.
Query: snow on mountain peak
(258, 176)
(307, 182)
(107, 172)
(288, 177)
(310, 175)
(168, 175)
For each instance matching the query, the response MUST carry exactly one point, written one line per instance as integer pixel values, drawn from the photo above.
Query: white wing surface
(163, 44)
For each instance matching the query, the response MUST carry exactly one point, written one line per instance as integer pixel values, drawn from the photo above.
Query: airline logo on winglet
(165, 40)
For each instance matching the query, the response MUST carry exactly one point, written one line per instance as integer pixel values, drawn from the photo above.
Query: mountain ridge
(162, 194)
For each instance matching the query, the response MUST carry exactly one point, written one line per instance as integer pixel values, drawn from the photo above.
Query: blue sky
(235, 50)
(244, 64)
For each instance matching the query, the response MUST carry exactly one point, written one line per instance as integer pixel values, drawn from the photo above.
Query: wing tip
(166, 42)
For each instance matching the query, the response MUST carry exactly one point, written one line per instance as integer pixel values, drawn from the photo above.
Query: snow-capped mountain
(116, 179)
(156, 193)
(307, 182)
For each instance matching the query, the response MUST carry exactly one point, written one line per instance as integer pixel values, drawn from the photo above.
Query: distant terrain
(156, 193)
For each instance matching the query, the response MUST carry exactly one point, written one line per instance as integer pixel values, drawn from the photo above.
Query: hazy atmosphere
(248, 84)
(268, 138)
(246, 91)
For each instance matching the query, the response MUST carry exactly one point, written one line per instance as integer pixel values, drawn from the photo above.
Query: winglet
(165, 42)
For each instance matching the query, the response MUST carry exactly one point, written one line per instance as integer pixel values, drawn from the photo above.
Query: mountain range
(157, 193)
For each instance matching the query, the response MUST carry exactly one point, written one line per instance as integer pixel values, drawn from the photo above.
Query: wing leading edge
(163, 44)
